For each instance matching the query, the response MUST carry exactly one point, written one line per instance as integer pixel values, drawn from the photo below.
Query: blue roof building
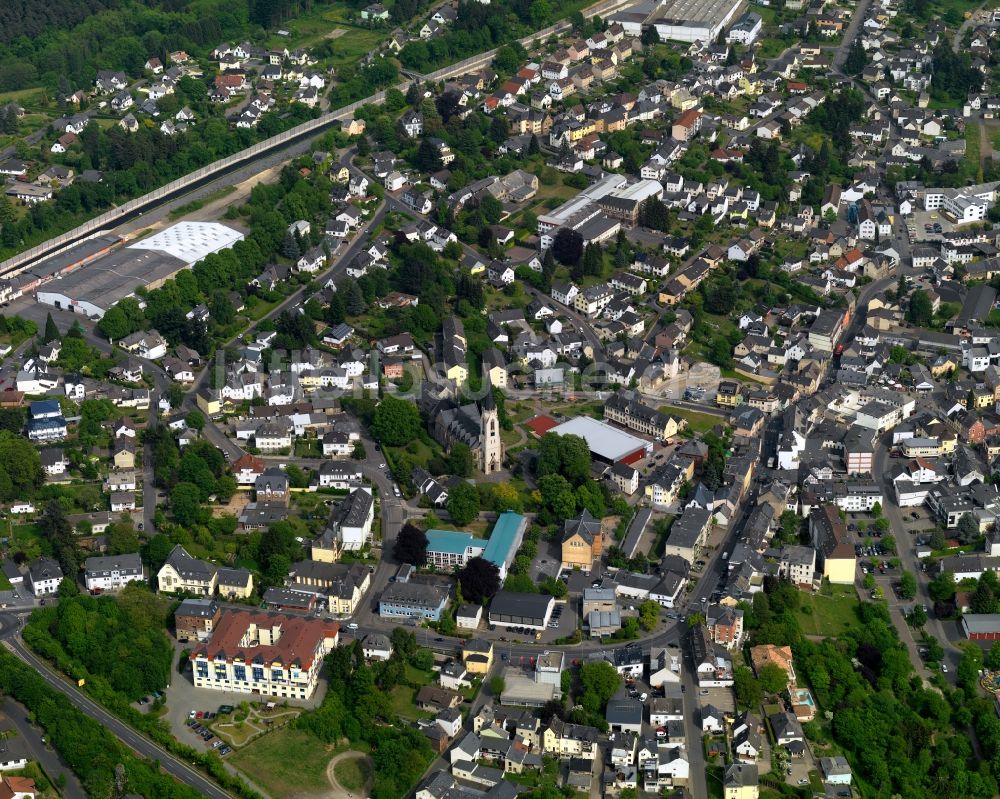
(452, 549)
(47, 428)
(45, 409)
(505, 540)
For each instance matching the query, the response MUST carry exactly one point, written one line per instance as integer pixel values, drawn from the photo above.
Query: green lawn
(972, 163)
(828, 616)
(257, 307)
(697, 422)
(417, 676)
(353, 773)
(573, 409)
(418, 451)
(308, 448)
(354, 44)
(196, 205)
(23, 97)
(714, 781)
(24, 537)
(308, 30)
(287, 762)
(403, 704)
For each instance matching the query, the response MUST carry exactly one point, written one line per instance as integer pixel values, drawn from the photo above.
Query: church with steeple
(490, 443)
(477, 425)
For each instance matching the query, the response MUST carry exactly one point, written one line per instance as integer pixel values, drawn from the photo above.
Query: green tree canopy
(395, 422)
(463, 503)
(479, 580)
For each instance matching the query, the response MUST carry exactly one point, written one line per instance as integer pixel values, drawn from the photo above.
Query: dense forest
(121, 639)
(63, 43)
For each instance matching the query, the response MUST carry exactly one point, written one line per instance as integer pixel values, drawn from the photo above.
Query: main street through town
(394, 512)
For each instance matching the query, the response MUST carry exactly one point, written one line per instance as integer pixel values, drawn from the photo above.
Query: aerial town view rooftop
(456, 399)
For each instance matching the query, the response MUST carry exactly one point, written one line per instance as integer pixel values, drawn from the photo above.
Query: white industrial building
(191, 241)
(679, 20)
(966, 204)
(92, 288)
(606, 443)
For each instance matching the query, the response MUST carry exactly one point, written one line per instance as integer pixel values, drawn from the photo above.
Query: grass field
(973, 161)
(24, 537)
(402, 697)
(353, 773)
(355, 41)
(573, 409)
(418, 451)
(24, 97)
(196, 205)
(829, 616)
(697, 422)
(287, 762)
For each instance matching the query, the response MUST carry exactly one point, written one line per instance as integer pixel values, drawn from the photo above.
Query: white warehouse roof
(190, 241)
(606, 442)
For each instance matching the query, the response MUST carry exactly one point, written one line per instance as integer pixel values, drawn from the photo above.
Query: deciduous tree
(479, 579)
(411, 545)
(463, 503)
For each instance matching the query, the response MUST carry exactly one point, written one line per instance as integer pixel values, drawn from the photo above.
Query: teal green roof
(451, 541)
(505, 538)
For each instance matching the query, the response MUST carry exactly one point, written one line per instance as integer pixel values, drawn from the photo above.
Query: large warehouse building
(981, 626)
(607, 443)
(679, 20)
(94, 287)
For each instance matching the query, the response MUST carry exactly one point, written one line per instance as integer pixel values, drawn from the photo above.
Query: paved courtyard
(183, 697)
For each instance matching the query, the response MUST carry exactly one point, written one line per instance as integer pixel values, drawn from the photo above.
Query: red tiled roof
(249, 462)
(297, 642)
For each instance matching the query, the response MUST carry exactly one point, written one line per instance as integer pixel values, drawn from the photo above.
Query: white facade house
(112, 572)
(44, 576)
(265, 654)
(352, 520)
(746, 29)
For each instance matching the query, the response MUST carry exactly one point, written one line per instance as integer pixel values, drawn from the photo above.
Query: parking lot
(662, 455)
(928, 225)
(183, 698)
(562, 623)
(196, 724)
(797, 771)
(722, 698)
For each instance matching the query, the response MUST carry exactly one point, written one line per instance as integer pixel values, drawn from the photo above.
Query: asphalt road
(10, 638)
(38, 750)
(947, 633)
